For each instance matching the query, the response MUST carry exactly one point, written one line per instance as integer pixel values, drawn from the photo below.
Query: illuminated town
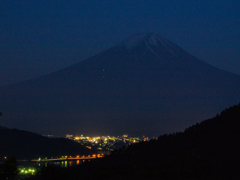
(106, 143)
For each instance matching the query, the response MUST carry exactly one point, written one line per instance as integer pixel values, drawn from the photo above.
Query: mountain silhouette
(26, 145)
(144, 85)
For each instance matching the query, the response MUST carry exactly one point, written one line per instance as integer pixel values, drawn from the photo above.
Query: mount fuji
(145, 85)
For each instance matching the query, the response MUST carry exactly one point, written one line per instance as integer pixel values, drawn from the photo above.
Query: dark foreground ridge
(208, 150)
(27, 145)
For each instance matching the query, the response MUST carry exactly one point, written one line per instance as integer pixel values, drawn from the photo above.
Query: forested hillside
(208, 150)
(27, 145)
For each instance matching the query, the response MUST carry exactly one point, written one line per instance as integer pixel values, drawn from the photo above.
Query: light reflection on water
(66, 163)
(40, 164)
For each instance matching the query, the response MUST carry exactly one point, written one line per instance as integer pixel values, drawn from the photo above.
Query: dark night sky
(41, 36)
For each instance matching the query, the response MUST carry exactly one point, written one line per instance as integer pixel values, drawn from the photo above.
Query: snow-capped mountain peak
(152, 42)
(150, 39)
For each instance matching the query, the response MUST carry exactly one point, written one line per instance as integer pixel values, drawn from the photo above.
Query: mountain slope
(208, 150)
(27, 145)
(144, 85)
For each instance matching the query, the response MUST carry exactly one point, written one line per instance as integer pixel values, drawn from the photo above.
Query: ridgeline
(26, 145)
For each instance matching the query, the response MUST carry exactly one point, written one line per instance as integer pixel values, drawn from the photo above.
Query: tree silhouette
(9, 169)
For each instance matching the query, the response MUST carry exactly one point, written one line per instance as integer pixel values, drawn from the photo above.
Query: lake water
(40, 164)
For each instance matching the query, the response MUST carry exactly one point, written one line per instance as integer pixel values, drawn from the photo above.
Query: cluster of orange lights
(78, 156)
(88, 156)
